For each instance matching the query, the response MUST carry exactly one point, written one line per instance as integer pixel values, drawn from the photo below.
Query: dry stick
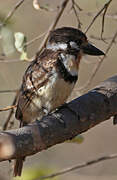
(9, 91)
(35, 39)
(96, 68)
(10, 14)
(53, 25)
(103, 17)
(111, 16)
(79, 166)
(76, 14)
(8, 108)
(3, 60)
(78, 7)
(99, 39)
(5, 126)
(95, 17)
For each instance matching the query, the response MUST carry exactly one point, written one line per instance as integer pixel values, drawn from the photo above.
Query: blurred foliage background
(100, 140)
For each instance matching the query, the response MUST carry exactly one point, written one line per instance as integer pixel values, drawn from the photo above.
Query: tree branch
(77, 117)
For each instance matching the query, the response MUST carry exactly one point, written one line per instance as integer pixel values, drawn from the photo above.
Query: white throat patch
(68, 61)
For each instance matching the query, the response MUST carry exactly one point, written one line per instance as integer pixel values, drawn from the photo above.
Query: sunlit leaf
(23, 56)
(78, 139)
(20, 40)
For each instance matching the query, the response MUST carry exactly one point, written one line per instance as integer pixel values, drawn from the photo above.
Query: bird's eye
(79, 42)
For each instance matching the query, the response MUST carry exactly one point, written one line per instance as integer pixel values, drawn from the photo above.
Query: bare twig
(79, 166)
(3, 60)
(54, 23)
(110, 15)
(35, 39)
(76, 14)
(8, 108)
(78, 7)
(10, 14)
(104, 38)
(96, 68)
(9, 91)
(103, 17)
(96, 16)
(5, 126)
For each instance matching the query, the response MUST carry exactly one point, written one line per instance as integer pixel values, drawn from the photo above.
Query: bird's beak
(92, 50)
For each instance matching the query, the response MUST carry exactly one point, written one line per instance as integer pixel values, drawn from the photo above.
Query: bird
(50, 78)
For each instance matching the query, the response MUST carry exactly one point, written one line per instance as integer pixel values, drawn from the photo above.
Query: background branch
(79, 166)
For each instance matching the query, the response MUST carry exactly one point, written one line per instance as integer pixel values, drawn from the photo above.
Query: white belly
(53, 95)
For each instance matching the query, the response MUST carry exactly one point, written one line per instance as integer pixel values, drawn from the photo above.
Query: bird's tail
(18, 165)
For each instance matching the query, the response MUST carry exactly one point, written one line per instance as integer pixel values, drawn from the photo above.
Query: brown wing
(36, 75)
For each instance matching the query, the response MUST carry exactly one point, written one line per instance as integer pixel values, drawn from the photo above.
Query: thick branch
(81, 114)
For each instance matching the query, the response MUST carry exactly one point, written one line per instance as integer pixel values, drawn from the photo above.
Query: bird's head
(71, 40)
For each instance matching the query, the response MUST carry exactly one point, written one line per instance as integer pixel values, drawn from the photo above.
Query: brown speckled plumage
(50, 78)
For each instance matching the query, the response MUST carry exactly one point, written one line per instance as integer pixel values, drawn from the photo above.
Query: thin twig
(76, 14)
(79, 166)
(9, 91)
(96, 16)
(96, 68)
(10, 14)
(78, 7)
(99, 39)
(8, 108)
(103, 17)
(3, 60)
(5, 126)
(53, 25)
(35, 39)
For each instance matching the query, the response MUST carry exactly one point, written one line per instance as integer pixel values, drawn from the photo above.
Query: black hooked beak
(92, 50)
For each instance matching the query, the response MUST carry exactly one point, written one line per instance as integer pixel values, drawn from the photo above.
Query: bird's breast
(54, 93)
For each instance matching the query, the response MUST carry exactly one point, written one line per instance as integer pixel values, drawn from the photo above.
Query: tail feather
(18, 166)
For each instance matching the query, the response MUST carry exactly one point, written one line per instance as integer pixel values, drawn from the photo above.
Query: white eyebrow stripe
(56, 46)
